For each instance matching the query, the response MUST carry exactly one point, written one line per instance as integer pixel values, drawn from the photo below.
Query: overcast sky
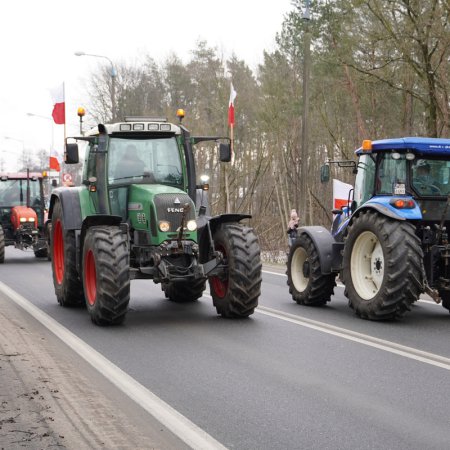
(39, 37)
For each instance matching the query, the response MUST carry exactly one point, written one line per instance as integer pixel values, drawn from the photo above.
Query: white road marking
(365, 339)
(178, 424)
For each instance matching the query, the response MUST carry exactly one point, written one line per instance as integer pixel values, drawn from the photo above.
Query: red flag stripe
(59, 113)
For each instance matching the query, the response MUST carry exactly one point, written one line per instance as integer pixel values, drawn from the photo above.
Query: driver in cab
(423, 180)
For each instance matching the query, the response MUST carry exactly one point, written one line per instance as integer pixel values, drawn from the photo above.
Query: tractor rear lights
(401, 203)
(165, 127)
(138, 127)
(153, 126)
(125, 127)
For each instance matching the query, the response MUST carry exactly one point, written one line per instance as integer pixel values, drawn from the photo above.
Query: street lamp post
(113, 74)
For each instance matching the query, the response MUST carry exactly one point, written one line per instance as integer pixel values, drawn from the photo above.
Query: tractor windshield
(14, 192)
(431, 177)
(155, 160)
(427, 177)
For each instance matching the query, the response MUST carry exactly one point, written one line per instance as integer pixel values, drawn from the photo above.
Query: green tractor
(139, 214)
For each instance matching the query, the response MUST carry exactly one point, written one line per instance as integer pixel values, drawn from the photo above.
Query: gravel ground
(50, 399)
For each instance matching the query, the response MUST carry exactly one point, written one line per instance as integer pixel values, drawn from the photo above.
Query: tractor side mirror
(225, 152)
(54, 183)
(71, 154)
(325, 173)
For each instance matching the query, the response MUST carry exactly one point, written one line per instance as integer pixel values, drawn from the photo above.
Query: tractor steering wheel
(427, 189)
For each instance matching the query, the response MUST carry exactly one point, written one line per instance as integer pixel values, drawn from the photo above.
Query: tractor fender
(382, 209)
(71, 207)
(215, 221)
(323, 241)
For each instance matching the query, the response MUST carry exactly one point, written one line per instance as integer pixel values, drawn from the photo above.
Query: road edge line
(178, 424)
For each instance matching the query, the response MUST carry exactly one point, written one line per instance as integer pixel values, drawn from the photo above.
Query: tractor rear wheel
(236, 293)
(106, 274)
(382, 266)
(445, 296)
(184, 291)
(68, 287)
(307, 284)
(2, 246)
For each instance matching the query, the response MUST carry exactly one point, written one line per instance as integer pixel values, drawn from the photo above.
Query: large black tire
(106, 274)
(445, 296)
(2, 246)
(184, 291)
(68, 286)
(307, 284)
(382, 266)
(236, 294)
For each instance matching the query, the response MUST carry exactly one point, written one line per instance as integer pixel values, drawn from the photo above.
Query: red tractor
(23, 213)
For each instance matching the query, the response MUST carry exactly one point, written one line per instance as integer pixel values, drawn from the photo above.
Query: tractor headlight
(30, 219)
(23, 219)
(191, 225)
(164, 226)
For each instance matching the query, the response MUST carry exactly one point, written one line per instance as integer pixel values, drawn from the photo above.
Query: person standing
(292, 227)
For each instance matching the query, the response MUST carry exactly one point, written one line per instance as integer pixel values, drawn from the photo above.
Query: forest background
(377, 69)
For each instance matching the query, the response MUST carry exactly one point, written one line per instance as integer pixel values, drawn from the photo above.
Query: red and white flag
(55, 160)
(231, 106)
(340, 194)
(59, 106)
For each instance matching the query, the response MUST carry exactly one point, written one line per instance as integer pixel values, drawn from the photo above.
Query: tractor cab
(410, 177)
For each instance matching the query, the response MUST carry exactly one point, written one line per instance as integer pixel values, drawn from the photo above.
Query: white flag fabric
(340, 194)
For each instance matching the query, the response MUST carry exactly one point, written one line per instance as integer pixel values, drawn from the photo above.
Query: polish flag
(231, 106)
(59, 106)
(55, 159)
(340, 194)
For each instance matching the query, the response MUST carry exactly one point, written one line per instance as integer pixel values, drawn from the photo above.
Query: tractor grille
(169, 206)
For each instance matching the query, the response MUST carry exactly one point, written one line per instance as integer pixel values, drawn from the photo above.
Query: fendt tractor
(390, 243)
(22, 213)
(139, 214)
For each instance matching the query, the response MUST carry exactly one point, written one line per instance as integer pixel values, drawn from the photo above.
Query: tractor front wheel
(68, 287)
(235, 293)
(2, 246)
(307, 284)
(382, 266)
(106, 274)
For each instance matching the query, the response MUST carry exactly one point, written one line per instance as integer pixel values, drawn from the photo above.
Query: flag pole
(65, 135)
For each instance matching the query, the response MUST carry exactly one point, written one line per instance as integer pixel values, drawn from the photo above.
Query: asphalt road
(289, 377)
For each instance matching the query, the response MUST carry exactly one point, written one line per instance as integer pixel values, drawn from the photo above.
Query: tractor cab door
(365, 180)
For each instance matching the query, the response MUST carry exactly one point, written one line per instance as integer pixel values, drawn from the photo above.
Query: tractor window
(155, 160)
(365, 179)
(391, 178)
(14, 192)
(431, 177)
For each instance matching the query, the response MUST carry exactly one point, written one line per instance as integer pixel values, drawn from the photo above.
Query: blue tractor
(391, 242)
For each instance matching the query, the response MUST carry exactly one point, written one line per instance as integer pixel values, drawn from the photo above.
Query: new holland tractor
(391, 242)
(140, 214)
(22, 213)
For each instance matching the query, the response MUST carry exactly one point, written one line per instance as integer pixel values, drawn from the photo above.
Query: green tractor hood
(158, 211)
